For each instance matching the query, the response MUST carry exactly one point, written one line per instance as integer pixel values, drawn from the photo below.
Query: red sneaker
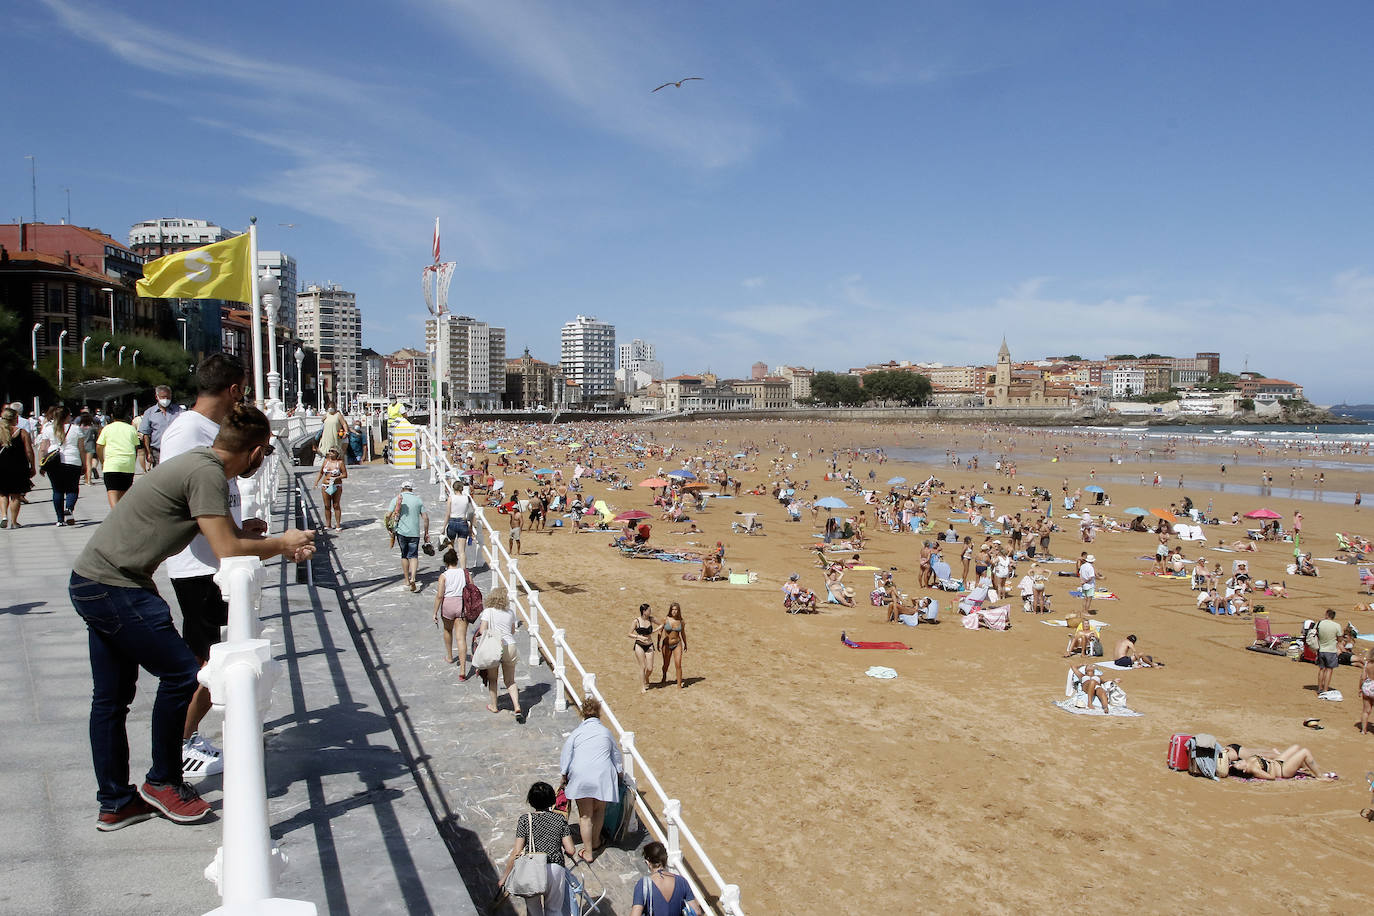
(179, 802)
(134, 811)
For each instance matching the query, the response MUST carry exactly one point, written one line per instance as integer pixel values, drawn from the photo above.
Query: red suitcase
(1178, 752)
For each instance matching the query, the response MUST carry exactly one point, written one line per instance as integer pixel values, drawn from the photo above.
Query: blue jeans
(129, 628)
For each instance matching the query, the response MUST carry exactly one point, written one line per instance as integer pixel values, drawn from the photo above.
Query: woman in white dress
(591, 764)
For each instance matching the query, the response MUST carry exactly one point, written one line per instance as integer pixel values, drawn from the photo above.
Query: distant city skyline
(908, 184)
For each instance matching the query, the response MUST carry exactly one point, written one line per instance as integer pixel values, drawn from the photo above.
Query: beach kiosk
(405, 444)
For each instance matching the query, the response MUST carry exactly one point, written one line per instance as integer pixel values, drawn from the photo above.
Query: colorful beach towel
(992, 618)
(1101, 596)
(853, 644)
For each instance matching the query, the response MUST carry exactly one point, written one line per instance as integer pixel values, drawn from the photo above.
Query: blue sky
(849, 183)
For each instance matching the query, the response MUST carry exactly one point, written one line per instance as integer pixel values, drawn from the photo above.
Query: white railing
(240, 675)
(667, 824)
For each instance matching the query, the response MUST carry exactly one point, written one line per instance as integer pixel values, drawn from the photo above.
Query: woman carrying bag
(60, 457)
(662, 893)
(548, 838)
(496, 649)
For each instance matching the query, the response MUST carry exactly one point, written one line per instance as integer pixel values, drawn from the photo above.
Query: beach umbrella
(1136, 510)
(696, 485)
(490, 443)
(897, 480)
(654, 482)
(468, 442)
(681, 475)
(574, 446)
(1164, 514)
(540, 472)
(1268, 514)
(1094, 489)
(740, 455)
(632, 515)
(832, 502)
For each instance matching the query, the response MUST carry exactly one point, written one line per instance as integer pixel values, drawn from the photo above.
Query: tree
(1123, 356)
(833, 389)
(1222, 381)
(21, 383)
(160, 362)
(898, 386)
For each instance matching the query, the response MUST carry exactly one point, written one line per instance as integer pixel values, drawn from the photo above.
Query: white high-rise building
(282, 267)
(476, 362)
(327, 321)
(588, 356)
(638, 356)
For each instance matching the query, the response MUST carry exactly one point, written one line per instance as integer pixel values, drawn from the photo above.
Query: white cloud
(753, 282)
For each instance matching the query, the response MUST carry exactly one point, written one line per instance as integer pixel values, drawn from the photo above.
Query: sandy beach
(958, 786)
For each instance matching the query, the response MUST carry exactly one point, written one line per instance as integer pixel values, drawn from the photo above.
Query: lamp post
(183, 333)
(61, 339)
(121, 354)
(85, 340)
(110, 291)
(103, 347)
(269, 290)
(136, 352)
(35, 345)
(300, 358)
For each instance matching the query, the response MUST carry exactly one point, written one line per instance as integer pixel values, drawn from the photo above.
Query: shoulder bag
(530, 876)
(488, 651)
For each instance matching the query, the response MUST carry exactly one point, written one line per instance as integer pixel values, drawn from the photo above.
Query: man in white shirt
(220, 381)
(1087, 577)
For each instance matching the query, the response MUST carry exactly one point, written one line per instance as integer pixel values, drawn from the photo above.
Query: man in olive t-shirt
(130, 626)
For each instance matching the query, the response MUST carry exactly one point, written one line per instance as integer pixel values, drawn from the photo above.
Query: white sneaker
(200, 758)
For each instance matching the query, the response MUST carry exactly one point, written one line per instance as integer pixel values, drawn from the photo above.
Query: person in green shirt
(129, 626)
(117, 451)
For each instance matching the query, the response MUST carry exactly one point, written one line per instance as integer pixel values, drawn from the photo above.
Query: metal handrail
(673, 831)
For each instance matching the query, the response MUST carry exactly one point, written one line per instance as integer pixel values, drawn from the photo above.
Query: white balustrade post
(560, 702)
(589, 685)
(672, 814)
(627, 750)
(240, 582)
(729, 899)
(512, 570)
(534, 627)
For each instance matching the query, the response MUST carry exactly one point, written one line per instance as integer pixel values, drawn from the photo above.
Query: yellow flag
(219, 271)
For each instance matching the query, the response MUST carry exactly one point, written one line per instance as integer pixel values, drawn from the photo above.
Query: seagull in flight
(678, 83)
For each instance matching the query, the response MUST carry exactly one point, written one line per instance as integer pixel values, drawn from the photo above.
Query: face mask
(164, 403)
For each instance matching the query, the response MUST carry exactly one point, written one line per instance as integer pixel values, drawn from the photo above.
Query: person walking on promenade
(448, 606)
(17, 467)
(129, 626)
(329, 478)
(60, 458)
(409, 512)
(154, 423)
(334, 432)
(220, 383)
(500, 619)
(458, 516)
(542, 830)
(117, 450)
(591, 764)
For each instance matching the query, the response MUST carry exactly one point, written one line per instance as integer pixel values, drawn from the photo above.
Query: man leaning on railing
(130, 626)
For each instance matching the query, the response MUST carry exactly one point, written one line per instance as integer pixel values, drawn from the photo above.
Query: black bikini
(644, 631)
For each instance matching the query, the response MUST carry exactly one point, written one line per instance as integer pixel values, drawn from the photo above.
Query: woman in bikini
(329, 478)
(642, 632)
(672, 642)
(1281, 765)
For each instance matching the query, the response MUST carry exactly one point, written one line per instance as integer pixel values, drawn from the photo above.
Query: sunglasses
(267, 450)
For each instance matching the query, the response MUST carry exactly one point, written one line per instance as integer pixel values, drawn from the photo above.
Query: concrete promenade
(391, 788)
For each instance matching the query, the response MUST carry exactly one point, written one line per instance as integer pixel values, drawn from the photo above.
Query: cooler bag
(1178, 752)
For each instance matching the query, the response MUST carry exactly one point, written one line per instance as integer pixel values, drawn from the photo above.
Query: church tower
(1001, 386)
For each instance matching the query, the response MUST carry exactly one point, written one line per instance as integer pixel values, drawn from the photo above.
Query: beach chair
(1343, 544)
(586, 889)
(973, 601)
(1263, 636)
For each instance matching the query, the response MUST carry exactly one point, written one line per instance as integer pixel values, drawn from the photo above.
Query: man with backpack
(1328, 635)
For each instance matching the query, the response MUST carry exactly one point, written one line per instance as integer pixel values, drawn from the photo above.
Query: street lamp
(300, 358)
(136, 352)
(35, 345)
(85, 340)
(183, 333)
(61, 339)
(110, 290)
(103, 347)
(121, 354)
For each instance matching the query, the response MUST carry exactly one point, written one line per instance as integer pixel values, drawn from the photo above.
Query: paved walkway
(347, 801)
(391, 788)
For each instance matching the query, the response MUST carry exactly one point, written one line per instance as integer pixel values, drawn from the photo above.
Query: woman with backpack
(662, 893)
(457, 613)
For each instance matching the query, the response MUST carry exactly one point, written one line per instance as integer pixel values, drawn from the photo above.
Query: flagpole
(256, 309)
